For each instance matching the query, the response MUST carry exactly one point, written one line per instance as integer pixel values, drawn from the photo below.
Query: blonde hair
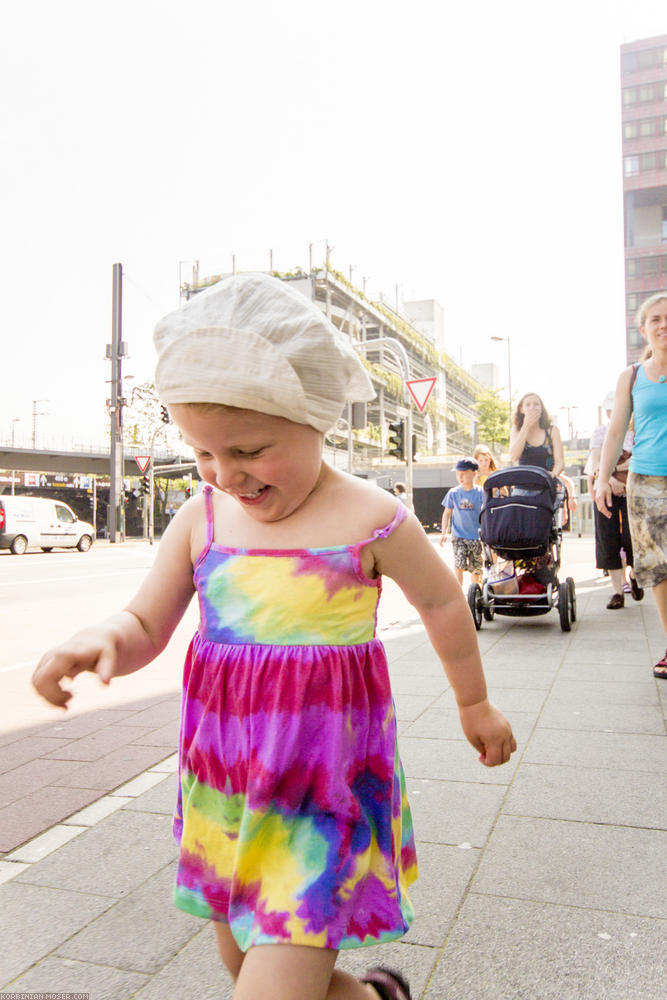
(640, 318)
(481, 449)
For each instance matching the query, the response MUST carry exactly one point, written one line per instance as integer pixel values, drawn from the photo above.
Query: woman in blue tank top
(642, 390)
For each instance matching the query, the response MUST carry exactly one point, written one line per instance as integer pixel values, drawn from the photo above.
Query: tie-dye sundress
(292, 815)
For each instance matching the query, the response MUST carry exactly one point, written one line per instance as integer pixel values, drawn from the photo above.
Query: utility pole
(116, 351)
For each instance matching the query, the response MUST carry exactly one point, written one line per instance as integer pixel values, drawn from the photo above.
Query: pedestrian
(294, 827)
(486, 464)
(462, 509)
(534, 439)
(641, 393)
(613, 544)
(401, 492)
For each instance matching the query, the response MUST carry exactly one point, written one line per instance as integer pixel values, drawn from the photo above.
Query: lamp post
(509, 369)
(15, 420)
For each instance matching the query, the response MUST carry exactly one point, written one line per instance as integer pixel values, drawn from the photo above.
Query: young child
(463, 505)
(294, 828)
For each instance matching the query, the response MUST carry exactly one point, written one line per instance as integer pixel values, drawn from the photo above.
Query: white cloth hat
(254, 342)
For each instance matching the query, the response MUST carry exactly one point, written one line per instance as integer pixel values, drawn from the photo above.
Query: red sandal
(390, 985)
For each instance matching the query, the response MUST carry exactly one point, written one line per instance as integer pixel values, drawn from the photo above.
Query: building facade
(644, 123)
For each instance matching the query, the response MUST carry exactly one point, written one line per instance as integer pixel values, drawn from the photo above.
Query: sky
(466, 153)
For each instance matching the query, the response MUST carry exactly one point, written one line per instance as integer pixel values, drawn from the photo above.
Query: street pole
(115, 353)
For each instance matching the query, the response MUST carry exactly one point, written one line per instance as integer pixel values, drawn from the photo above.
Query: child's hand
(488, 730)
(94, 649)
(443, 537)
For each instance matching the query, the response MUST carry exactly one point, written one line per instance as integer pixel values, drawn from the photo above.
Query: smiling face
(654, 327)
(269, 465)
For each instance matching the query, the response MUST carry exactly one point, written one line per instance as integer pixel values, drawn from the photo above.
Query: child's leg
(459, 574)
(294, 972)
(230, 953)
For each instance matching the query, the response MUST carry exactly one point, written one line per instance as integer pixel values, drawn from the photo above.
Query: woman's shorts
(467, 554)
(611, 535)
(647, 511)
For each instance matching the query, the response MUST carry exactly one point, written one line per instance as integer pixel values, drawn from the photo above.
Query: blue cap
(467, 464)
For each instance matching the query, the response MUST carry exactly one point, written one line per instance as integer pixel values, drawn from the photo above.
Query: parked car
(37, 522)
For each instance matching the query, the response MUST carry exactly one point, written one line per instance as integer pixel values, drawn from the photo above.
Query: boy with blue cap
(462, 508)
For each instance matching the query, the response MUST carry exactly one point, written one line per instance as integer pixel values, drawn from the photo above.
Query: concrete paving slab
(451, 760)
(34, 920)
(637, 693)
(418, 684)
(507, 698)
(92, 814)
(30, 777)
(110, 859)
(67, 978)
(405, 666)
(605, 718)
(411, 706)
(20, 751)
(95, 745)
(575, 864)
(444, 874)
(513, 949)
(80, 726)
(169, 764)
(617, 751)
(140, 933)
(111, 770)
(444, 723)
(33, 814)
(47, 843)
(9, 869)
(160, 799)
(502, 676)
(194, 973)
(453, 812)
(588, 795)
(157, 715)
(166, 736)
(623, 671)
(413, 961)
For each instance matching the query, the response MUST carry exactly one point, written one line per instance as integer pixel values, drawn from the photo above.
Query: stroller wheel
(573, 599)
(564, 605)
(476, 604)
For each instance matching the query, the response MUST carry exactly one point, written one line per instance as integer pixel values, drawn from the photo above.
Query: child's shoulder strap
(398, 518)
(208, 503)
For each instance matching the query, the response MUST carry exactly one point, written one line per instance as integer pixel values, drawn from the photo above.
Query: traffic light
(396, 440)
(145, 485)
(188, 492)
(164, 414)
(414, 447)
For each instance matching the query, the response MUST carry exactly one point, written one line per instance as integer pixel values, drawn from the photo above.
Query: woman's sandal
(388, 984)
(636, 591)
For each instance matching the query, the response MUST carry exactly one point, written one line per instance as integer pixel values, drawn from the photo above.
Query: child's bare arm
(408, 557)
(127, 641)
(446, 521)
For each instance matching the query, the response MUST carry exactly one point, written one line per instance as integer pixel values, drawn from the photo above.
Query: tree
(493, 421)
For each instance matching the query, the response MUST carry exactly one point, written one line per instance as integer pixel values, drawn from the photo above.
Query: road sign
(143, 461)
(420, 390)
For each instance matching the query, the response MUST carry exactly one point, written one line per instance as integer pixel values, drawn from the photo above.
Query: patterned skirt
(292, 819)
(647, 513)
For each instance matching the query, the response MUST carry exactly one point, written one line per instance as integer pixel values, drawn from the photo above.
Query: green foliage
(493, 421)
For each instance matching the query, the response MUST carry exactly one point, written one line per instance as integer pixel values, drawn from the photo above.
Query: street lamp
(509, 369)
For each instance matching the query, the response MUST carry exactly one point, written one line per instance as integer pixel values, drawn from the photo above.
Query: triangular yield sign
(420, 390)
(143, 461)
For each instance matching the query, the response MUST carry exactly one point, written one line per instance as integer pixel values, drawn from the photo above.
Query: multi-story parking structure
(448, 425)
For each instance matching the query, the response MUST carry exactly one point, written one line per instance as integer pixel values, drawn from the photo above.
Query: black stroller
(522, 524)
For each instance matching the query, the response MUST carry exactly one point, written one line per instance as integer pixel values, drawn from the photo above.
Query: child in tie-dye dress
(294, 828)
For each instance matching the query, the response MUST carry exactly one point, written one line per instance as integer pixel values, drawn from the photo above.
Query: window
(664, 223)
(630, 130)
(647, 92)
(631, 165)
(646, 59)
(633, 267)
(630, 95)
(633, 302)
(629, 62)
(664, 124)
(649, 161)
(650, 266)
(64, 514)
(647, 126)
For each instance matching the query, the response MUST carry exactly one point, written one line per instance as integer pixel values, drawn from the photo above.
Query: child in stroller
(522, 523)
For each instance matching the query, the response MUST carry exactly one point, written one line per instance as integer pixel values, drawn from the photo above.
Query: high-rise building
(644, 96)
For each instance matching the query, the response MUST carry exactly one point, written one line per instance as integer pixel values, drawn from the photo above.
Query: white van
(37, 522)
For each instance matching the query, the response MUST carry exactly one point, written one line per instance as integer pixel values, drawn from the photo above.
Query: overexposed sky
(467, 153)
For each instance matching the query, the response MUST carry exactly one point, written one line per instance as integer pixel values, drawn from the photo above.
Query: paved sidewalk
(542, 879)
